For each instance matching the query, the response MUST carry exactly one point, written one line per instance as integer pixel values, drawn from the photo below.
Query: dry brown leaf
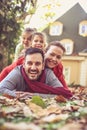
(60, 98)
(44, 112)
(8, 96)
(21, 126)
(11, 109)
(27, 111)
(54, 118)
(39, 111)
(53, 109)
(75, 108)
(79, 102)
(72, 126)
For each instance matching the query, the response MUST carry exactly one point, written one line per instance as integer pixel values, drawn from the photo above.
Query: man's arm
(51, 79)
(10, 83)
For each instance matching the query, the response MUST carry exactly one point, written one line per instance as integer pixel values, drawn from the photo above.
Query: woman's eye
(59, 57)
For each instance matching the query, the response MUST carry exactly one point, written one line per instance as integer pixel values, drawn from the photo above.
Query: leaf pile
(55, 113)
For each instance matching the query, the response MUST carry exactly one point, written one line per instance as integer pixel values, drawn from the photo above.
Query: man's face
(53, 56)
(33, 66)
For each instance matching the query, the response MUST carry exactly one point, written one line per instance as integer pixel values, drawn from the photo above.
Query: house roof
(38, 21)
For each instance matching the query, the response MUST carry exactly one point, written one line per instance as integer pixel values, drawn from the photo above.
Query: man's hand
(23, 95)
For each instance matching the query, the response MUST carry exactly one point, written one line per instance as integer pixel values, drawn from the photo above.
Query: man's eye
(38, 63)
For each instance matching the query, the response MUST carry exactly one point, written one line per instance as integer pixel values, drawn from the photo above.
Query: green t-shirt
(18, 50)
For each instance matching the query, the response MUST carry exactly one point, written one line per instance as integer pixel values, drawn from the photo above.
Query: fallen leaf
(21, 126)
(55, 118)
(60, 98)
(72, 126)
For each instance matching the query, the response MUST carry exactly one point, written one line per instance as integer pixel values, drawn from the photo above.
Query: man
(32, 77)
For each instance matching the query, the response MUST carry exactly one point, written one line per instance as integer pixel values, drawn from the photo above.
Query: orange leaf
(60, 98)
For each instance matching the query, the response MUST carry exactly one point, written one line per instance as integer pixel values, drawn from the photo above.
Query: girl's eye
(41, 41)
(23, 38)
(52, 54)
(29, 39)
(36, 40)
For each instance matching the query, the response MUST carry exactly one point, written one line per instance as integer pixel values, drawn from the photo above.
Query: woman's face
(53, 56)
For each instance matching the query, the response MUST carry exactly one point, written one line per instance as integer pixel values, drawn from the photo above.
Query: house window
(83, 28)
(56, 29)
(68, 44)
(66, 72)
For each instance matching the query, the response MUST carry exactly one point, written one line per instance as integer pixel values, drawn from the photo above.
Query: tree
(12, 15)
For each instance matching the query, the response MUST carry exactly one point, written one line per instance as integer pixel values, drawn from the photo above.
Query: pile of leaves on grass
(37, 113)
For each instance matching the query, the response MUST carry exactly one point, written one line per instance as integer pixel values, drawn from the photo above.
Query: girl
(25, 42)
(38, 40)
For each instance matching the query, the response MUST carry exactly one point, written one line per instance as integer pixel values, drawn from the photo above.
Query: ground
(55, 113)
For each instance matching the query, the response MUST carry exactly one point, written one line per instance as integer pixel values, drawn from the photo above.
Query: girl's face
(26, 39)
(38, 42)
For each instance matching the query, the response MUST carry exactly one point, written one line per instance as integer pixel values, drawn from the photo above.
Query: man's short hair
(33, 50)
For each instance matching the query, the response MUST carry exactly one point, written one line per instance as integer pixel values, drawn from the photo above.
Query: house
(71, 20)
(75, 65)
